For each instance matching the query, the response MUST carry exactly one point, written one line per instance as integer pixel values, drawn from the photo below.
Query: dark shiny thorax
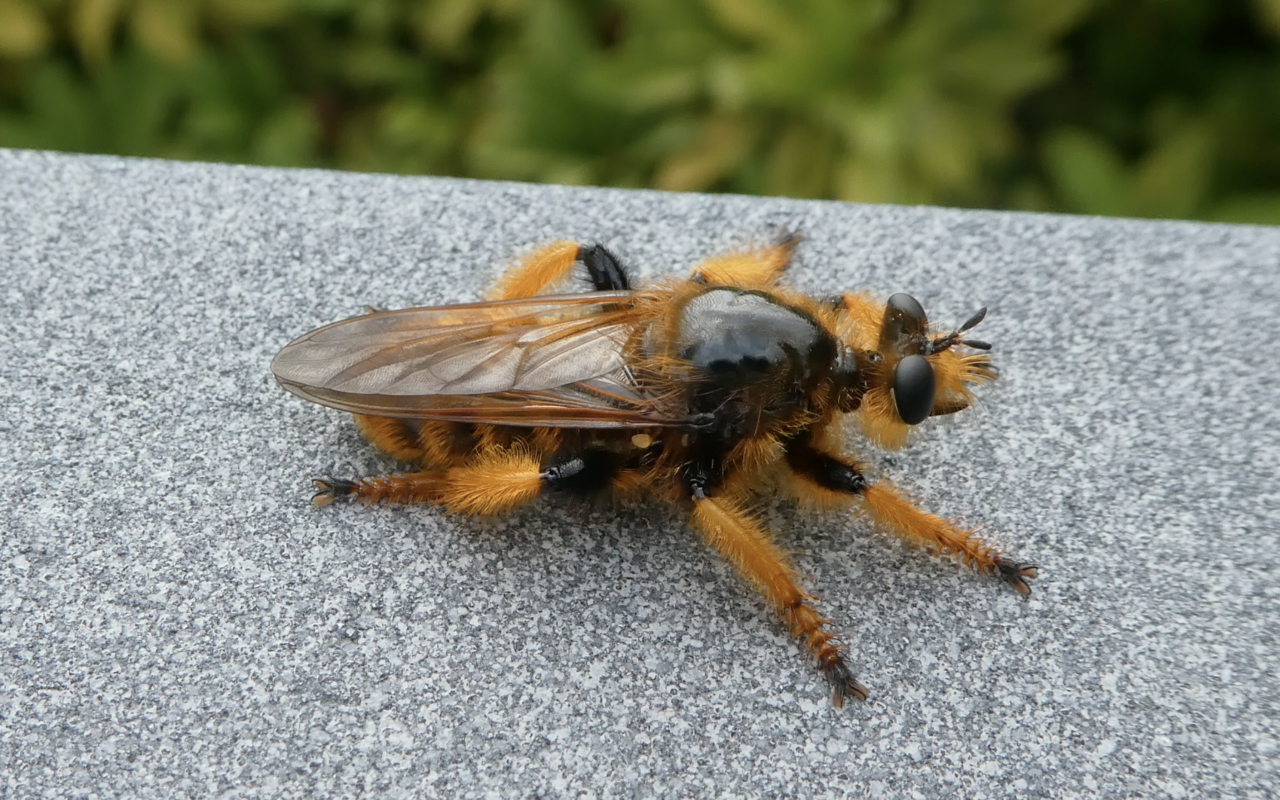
(754, 360)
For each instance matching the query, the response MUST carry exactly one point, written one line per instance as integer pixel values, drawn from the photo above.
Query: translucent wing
(546, 361)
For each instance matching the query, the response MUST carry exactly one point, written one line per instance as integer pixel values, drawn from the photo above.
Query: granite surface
(176, 619)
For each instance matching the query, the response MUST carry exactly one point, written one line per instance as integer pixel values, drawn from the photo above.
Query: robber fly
(705, 392)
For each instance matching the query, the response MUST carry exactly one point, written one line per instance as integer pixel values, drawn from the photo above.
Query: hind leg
(550, 266)
(424, 443)
(494, 481)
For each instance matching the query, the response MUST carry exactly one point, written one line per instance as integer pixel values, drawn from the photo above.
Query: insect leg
(746, 545)
(595, 473)
(832, 481)
(606, 271)
(424, 443)
(412, 487)
(549, 266)
(584, 473)
(540, 270)
(759, 267)
(398, 438)
(494, 482)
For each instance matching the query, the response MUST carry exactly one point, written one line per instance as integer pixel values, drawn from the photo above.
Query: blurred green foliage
(1160, 108)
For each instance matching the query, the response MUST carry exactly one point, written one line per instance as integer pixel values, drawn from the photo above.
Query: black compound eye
(908, 306)
(904, 319)
(913, 388)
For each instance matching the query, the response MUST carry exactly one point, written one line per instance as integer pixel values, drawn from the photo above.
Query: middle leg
(746, 545)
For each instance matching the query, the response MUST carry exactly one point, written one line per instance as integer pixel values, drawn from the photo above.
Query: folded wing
(547, 361)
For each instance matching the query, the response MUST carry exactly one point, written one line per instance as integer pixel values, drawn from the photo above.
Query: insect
(705, 392)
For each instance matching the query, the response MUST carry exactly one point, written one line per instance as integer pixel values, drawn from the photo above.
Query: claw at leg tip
(329, 489)
(851, 689)
(1014, 573)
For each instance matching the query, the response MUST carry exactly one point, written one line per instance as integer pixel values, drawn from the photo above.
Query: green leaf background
(1150, 108)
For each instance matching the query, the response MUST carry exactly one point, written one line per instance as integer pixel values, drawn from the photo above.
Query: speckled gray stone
(178, 620)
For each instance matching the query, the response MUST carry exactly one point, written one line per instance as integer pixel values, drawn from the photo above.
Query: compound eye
(904, 319)
(913, 388)
(906, 305)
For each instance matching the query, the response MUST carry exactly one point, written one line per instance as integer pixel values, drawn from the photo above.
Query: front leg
(832, 481)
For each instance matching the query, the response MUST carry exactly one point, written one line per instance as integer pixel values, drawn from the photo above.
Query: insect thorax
(752, 358)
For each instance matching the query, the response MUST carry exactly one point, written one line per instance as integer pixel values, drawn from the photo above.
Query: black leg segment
(606, 271)
(822, 469)
(584, 473)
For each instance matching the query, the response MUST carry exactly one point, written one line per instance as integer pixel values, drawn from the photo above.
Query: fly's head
(908, 370)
